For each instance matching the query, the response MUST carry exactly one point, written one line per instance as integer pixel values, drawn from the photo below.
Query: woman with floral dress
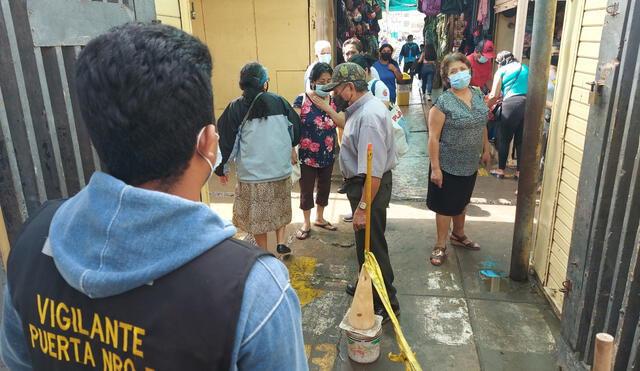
(318, 122)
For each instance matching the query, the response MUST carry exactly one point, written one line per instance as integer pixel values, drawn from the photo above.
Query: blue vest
(185, 320)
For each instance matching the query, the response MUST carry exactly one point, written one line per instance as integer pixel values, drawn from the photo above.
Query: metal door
(45, 152)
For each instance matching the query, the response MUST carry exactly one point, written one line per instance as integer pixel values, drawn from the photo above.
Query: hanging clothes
(430, 30)
(430, 7)
(483, 11)
(452, 6)
(442, 31)
(458, 32)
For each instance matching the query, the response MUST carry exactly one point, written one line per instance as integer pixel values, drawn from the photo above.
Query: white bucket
(363, 349)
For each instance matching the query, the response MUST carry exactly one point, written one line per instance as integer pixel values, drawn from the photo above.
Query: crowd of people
(137, 233)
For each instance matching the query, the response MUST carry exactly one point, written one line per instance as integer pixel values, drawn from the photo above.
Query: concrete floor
(454, 317)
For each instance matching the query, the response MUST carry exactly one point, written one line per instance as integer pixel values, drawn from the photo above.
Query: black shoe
(284, 251)
(342, 189)
(385, 316)
(348, 218)
(351, 288)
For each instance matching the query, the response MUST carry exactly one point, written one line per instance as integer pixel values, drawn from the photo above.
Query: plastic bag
(295, 174)
(400, 132)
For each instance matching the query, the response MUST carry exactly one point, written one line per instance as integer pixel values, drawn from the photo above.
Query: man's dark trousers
(407, 67)
(379, 246)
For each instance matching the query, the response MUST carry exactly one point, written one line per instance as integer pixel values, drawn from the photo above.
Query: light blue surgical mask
(211, 168)
(324, 58)
(460, 80)
(319, 91)
(483, 59)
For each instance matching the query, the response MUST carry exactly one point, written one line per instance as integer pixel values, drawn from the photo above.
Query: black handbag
(497, 110)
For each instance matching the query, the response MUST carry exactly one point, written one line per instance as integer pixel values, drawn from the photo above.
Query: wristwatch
(362, 205)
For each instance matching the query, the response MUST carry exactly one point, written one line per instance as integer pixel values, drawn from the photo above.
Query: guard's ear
(208, 143)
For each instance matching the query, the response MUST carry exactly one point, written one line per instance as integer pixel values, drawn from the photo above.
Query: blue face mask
(460, 80)
(324, 58)
(319, 91)
(482, 59)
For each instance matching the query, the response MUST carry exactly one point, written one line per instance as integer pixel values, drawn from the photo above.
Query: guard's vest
(185, 320)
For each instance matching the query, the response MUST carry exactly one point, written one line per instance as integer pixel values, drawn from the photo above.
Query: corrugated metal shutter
(566, 147)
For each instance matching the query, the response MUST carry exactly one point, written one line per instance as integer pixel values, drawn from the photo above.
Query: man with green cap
(366, 122)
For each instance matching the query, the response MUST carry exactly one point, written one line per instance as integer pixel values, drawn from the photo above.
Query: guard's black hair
(144, 91)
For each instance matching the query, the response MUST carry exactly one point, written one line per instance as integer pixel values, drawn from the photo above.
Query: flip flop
(328, 226)
(301, 234)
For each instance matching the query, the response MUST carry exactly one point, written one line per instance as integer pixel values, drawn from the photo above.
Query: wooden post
(521, 23)
(367, 197)
(603, 354)
(361, 314)
(204, 194)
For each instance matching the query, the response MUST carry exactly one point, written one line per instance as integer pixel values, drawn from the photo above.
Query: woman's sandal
(438, 254)
(328, 226)
(301, 234)
(463, 241)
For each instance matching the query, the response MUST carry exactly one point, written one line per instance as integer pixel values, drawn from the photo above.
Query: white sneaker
(429, 97)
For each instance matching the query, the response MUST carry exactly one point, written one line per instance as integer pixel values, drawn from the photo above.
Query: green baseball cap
(345, 72)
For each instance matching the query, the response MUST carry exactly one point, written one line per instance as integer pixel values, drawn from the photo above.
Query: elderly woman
(258, 131)
(318, 122)
(458, 143)
(323, 55)
(388, 70)
(510, 82)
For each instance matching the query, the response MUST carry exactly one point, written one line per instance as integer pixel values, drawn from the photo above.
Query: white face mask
(324, 58)
(204, 157)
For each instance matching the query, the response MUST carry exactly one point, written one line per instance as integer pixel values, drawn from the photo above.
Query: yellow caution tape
(372, 267)
(406, 355)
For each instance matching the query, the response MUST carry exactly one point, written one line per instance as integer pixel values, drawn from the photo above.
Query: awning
(402, 5)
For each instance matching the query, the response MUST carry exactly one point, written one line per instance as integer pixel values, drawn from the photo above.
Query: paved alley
(454, 317)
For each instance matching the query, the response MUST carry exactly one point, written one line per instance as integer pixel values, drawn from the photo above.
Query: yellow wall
(272, 32)
(175, 13)
(578, 62)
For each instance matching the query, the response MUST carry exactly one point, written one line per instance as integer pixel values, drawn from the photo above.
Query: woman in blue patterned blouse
(318, 122)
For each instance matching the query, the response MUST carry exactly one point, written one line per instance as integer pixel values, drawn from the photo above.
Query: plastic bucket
(404, 90)
(363, 349)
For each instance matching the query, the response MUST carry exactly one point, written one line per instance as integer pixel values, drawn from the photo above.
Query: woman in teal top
(510, 82)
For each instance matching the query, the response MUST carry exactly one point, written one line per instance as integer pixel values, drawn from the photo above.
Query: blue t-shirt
(515, 79)
(387, 77)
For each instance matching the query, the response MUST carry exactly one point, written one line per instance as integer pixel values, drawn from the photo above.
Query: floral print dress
(317, 134)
